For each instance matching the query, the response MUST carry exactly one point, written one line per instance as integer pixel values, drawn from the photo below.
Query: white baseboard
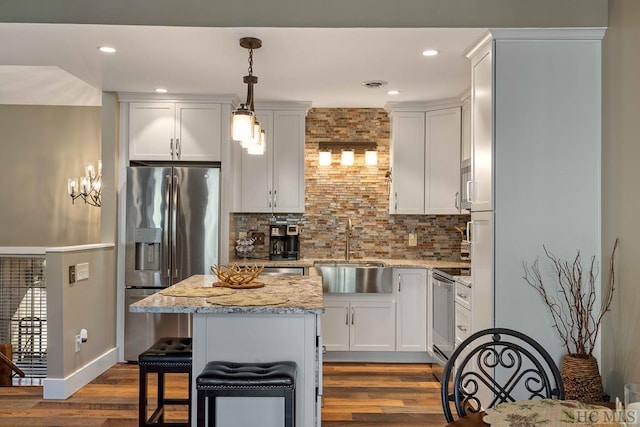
(62, 388)
(378, 356)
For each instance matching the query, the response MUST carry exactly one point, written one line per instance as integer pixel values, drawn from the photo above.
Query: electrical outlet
(72, 274)
(82, 271)
(78, 343)
(413, 238)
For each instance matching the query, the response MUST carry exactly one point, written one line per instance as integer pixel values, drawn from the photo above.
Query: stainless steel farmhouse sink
(343, 277)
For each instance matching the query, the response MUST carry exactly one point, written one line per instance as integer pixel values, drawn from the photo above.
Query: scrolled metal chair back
(497, 365)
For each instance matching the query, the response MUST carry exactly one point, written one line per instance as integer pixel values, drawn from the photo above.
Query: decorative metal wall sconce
(88, 187)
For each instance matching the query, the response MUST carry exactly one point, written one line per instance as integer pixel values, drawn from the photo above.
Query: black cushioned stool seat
(167, 355)
(246, 380)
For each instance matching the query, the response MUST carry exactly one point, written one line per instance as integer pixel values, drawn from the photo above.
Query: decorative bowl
(235, 275)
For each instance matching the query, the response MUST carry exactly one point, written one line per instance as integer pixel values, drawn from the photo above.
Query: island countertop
(303, 293)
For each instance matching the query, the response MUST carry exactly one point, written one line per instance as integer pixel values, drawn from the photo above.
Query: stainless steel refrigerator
(172, 224)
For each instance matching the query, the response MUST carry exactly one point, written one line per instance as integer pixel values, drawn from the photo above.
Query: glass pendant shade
(371, 157)
(347, 157)
(242, 124)
(324, 158)
(260, 147)
(254, 140)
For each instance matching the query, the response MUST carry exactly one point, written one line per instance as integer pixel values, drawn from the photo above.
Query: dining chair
(494, 366)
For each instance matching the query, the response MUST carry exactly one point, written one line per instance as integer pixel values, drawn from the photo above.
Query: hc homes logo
(605, 416)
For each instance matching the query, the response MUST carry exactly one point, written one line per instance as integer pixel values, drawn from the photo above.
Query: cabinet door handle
(269, 198)
(455, 202)
(462, 328)
(395, 198)
(400, 283)
(469, 186)
(346, 310)
(275, 198)
(461, 295)
(171, 147)
(178, 149)
(353, 315)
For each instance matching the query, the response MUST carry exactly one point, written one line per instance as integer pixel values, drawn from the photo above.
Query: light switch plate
(82, 271)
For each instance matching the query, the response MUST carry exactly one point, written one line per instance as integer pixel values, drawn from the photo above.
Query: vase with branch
(572, 302)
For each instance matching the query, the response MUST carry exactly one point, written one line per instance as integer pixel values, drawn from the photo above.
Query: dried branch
(572, 310)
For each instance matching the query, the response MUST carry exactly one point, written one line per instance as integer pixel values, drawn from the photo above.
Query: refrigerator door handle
(174, 215)
(165, 239)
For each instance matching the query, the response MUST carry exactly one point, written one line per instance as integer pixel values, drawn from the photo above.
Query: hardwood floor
(355, 394)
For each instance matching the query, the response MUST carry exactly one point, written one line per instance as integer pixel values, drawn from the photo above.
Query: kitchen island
(288, 328)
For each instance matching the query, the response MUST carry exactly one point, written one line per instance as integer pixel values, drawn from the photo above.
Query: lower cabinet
(411, 319)
(358, 323)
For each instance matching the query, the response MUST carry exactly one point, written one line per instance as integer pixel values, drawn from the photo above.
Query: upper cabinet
(465, 164)
(480, 187)
(191, 128)
(274, 182)
(425, 160)
(174, 131)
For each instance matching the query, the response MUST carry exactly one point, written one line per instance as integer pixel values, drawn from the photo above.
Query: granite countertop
(401, 263)
(304, 295)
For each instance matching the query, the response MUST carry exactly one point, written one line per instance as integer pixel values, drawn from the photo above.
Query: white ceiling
(60, 64)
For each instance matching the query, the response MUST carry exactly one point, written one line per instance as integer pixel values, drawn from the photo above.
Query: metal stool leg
(142, 397)
(161, 396)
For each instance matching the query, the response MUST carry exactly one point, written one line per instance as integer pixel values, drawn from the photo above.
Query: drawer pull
(463, 296)
(462, 328)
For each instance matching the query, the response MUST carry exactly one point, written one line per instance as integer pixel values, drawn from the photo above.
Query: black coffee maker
(284, 242)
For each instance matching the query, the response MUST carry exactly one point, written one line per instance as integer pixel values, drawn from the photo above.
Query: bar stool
(167, 355)
(277, 379)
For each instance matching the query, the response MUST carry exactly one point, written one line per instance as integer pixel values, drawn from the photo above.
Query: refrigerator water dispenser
(147, 248)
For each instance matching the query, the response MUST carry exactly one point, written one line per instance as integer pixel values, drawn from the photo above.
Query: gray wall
(313, 13)
(86, 304)
(620, 202)
(43, 146)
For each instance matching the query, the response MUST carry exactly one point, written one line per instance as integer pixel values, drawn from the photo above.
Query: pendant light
(244, 126)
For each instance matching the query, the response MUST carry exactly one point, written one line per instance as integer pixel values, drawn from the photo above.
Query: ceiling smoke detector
(374, 84)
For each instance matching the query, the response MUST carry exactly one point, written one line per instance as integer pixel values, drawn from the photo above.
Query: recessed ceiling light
(161, 90)
(107, 49)
(393, 92)
(430, 52)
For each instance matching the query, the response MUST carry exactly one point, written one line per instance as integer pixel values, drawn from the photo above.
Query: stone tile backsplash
(336, 193)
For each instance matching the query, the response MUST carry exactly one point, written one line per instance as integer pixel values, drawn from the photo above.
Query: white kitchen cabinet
(465, 153)
(274, 181)
(482, 290)
(425, 161)
(463, 310)
(358, 323)
(411, 311)
(181, 131)
(335, 324)
(465, 164)
(479, 189)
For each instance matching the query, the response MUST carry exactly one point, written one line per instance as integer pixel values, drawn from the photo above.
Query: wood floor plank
(355, 394)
